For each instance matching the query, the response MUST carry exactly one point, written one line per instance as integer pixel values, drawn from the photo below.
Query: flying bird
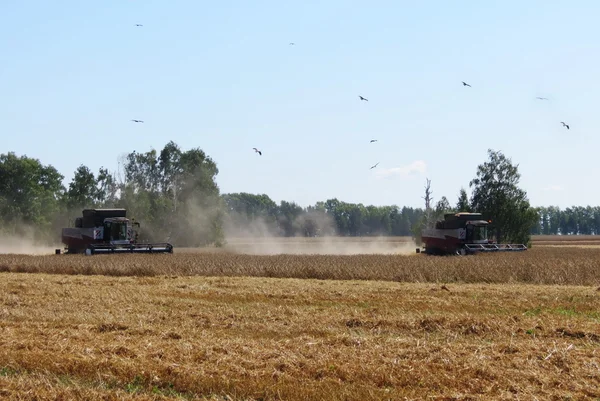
(292, 43)
(466, 84)
(374, 166)
(542, 98)
(565, 125)
(137, 121)
(373, 140)
(257, 151)
(362, 98)
(139, 25)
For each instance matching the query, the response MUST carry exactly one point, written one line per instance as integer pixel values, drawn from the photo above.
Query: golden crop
(539, 265)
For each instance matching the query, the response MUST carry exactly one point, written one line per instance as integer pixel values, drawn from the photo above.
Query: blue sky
(221, 76)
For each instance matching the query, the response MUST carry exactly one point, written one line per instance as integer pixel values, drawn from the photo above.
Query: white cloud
(415, 168)
(554, 188)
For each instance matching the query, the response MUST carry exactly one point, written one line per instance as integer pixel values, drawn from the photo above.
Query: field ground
(99, 337)
(200, 325)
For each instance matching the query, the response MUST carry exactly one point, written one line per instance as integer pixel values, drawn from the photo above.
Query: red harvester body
(462, 234)
(107, 231)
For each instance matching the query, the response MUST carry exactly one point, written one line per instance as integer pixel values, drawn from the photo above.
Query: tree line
(575, 220)
(258, 214)
(174, 194)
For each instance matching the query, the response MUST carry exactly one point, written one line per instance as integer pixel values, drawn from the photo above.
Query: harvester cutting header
(462, 233)
(107, 231)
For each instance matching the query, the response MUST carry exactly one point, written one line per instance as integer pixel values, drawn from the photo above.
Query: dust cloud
(255, 237)
(321, 246)
(24, 245)
(259, 237)
(256, 228)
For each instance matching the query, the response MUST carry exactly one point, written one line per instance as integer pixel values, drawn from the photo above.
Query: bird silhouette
(466, 84)
(137, 121)
(362, 98)
(542, 98)
(565, 125)
(257, 151)
(373, 140)
(292, 43)
(139, 25)
(374, 166)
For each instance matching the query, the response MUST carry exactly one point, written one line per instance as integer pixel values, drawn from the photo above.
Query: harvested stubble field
(228, 326)
(225, 338)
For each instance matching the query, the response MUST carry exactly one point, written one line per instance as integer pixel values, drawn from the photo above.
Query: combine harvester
(106, 231)
(462, 234)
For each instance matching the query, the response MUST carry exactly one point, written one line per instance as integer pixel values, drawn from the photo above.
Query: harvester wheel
(462, 252)
(57, 251)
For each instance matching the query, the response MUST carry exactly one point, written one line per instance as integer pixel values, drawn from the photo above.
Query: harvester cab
(462, 233)
(118, 231)
(107, 231)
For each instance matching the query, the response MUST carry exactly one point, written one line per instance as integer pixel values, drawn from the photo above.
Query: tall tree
(175, 194)
(428, 217)
(30, 193)
(108, 189)
(442, 207)
(497, 195)
(462, 205)
(288, 218)
(428, 198)
(250, 215)
(83, 189)
(317, 222)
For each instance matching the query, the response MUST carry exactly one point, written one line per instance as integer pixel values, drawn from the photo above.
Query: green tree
(288, 218)
(357, 214)
(317, 222)
(175, 195)
(250, 215)
(83, 189)
(107, 191)
(30, 194)
(554, 219)
(462, 205)
(338, 211)
(442, 207)
(595, 217)
(537, 227)
(497, 195)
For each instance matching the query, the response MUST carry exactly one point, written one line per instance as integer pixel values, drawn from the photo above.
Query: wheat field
(204, 325)
(539, 265)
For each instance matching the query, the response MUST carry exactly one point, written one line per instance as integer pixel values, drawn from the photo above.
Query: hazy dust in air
(320, 246)
(23, 246)
(262, 238)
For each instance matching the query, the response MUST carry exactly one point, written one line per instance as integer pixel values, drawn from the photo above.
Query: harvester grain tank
(107, 231)
(462, 234)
